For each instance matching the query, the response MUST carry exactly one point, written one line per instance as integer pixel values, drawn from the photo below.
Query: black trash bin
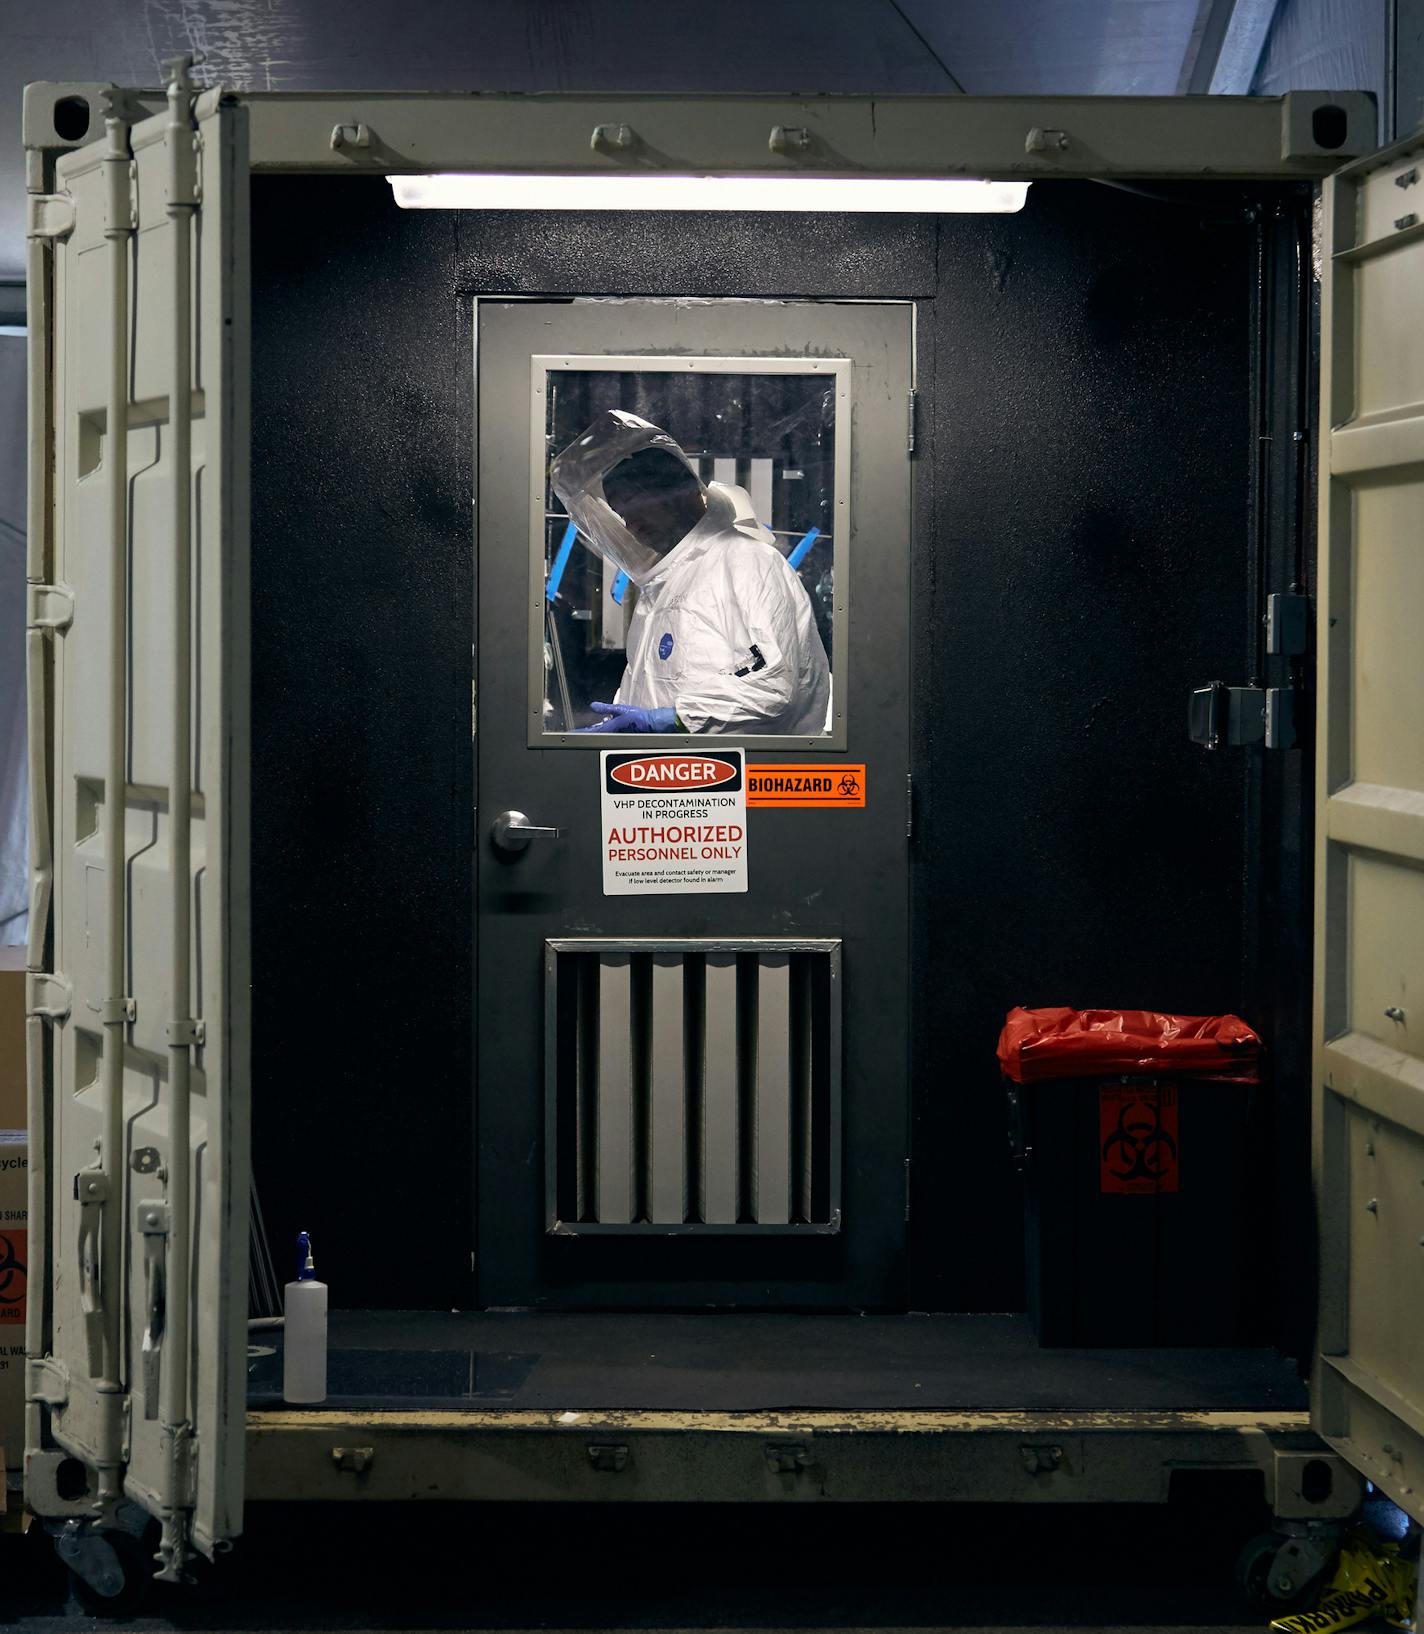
(1144, 1173)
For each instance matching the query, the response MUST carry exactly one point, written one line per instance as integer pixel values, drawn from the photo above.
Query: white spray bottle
(304, 1336)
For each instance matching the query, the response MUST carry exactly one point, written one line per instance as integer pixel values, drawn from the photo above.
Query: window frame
(837, 369)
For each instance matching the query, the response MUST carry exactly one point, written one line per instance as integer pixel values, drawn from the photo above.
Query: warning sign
(12, 1275)
(1138, 1140)
(824, 786)
(674, 823)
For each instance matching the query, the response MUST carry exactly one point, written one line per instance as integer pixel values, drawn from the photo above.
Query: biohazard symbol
(1138, 1128)
(849, 786)
(12, 1271)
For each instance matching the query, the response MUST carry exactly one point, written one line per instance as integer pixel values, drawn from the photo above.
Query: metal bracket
(121, 197)
(1222, 716)
(48, 606)
(185, 1032)
(609, 1459)
(51, 216)
(184, 171)
(1280, 718)
(1040, 140)
(787, 1457)
(790, 139)
(1040, 1460)
(91, 1186)
(346, 138)
(613, 139)
(353, 1460)
(47, 1381)
(1315, 1485)
(115, 1012)
(48, 994)
(1287, 624)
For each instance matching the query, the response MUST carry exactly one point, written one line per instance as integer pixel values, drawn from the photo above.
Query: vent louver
(693, 1085)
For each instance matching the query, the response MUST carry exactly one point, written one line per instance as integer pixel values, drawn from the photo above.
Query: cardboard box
(14, 1260)
(12, 1038)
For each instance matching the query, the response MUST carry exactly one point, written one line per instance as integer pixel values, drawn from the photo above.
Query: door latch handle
(512, 831)
(153, 1224)
(91, 1192)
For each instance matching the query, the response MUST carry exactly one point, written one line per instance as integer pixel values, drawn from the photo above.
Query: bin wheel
(135, 1556)
(1253, 1575)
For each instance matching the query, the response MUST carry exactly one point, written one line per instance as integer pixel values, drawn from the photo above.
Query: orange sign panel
(825, 787)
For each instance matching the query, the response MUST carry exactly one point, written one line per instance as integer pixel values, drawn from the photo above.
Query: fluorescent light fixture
(910, 195)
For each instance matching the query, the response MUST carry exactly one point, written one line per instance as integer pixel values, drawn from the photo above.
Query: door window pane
(709, 626)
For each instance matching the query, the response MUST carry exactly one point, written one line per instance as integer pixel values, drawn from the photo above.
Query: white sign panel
(674, 822)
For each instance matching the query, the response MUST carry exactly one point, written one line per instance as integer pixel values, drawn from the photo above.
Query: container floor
(758, 1363)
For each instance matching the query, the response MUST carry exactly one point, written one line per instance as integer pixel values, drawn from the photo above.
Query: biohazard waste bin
(1139, 1140)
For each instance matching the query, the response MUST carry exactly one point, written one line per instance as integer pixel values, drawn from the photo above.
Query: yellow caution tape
(1371, 1581)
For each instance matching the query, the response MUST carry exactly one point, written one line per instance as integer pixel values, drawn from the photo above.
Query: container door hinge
(47, 1381)
(1220, 716)
(51, 216)
(49, 607)
(48, 995)
(910, 427)
(1287, 620)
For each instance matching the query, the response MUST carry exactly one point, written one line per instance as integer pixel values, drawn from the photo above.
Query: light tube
(909, 195)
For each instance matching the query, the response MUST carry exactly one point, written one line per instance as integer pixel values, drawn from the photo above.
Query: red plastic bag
(1064, 1043)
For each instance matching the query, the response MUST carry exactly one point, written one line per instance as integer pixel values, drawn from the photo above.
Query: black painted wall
(1084, 555)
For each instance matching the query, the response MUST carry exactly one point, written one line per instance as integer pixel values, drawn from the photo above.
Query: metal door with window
(694, 1099)
(1368, 1395)
(138, 710)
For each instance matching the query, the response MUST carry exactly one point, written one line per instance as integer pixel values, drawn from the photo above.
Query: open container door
(1368, 1395)
(138, 699)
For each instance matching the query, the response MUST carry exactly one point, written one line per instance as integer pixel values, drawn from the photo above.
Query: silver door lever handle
(512, 831)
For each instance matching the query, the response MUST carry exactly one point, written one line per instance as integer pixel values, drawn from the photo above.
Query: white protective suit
(723, 630)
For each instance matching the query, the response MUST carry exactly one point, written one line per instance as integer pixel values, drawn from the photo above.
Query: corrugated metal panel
(1368, 1394)
(145, 826)
(698, 1081)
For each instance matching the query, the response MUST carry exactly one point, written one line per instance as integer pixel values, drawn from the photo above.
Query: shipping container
(647, 1164)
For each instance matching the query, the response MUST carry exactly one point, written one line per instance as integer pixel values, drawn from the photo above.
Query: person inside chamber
(723, 637)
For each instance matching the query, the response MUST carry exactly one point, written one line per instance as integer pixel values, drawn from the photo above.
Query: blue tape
(561, 561)
(803, 548)
(620, 585)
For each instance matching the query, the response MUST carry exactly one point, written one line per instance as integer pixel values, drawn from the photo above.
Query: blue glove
(629, 718)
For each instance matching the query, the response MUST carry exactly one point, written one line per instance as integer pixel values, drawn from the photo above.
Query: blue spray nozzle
(306, 1270)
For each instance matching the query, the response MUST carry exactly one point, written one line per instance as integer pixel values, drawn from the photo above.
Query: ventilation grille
(693, 1086)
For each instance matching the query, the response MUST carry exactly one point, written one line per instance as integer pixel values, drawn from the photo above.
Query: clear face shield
(578, 473)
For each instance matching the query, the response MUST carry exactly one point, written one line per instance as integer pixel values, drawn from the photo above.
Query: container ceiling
(984, 47)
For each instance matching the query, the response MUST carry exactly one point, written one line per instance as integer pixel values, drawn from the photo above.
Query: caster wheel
(1254, 1566)
(135, 1556)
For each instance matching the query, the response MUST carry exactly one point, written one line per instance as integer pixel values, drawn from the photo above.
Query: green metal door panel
(678, 1123)
(140, 1214)
(1369, 1142)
